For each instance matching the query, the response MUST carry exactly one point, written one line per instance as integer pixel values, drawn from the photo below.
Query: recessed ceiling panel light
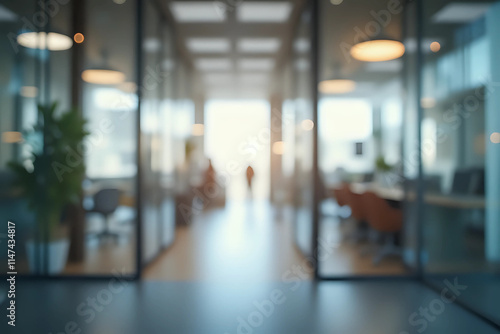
(198, 11)
(461, 12)
(213, 64)
(257, 64)
(259, 45)
(264, 11)
(208, 45)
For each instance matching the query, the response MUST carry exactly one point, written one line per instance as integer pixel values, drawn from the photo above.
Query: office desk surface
(443, 200)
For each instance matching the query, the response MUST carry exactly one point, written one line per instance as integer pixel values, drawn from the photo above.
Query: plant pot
(57, 255)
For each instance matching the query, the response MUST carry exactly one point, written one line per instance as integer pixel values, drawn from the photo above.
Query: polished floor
(301, 307)
(350, 257)
(244, 241)
(101, 255)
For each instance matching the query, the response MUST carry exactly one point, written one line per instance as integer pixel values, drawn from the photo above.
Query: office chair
(477, 181)
(105, 203)
(358, 212)
(462, 182)
(384, 219)
(340, 195)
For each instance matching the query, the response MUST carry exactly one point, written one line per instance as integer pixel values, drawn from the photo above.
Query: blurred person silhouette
(209, 173)
(250, 175)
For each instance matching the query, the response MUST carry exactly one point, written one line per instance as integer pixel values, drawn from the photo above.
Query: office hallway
(245, 241)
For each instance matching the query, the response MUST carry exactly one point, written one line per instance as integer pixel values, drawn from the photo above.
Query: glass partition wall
(301, 122)
(34, 71)
(95, 67)
(110, 107)
(360, 127)
(419, 136)
(460, 138)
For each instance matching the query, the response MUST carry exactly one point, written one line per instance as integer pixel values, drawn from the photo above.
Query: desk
(443, 200)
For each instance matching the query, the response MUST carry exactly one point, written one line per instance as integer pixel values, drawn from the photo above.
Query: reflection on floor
(244, 241)
(350, 258)
(189, 307)
(104, 256)
(482, 292)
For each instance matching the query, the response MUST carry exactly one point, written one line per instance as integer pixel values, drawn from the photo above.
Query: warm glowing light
(41, 40)
(435, 46)
(307, 124)
(79, 38)
(198, 130)
(12, 137)
(378, 50)
(340, 86)
(427, 102)
(495, 138)
(29, 91)
(103, 77)
(336, 2)
(279, 148)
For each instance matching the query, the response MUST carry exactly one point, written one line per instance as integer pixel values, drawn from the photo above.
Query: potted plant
(50, 180)
(383, 171)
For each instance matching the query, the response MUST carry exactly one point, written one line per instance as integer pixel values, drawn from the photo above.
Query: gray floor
(184, 307)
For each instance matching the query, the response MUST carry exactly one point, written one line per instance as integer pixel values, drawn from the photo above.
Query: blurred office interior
(371, 129)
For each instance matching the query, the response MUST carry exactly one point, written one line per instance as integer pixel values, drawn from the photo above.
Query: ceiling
(224, 50)
(234, 46)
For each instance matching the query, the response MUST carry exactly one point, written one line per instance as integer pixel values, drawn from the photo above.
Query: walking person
(250, 175)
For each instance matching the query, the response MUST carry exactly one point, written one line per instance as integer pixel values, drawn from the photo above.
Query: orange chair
(339, 196)
(353, 200)
(384, 219)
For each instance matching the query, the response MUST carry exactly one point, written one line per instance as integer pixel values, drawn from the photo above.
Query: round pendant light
(381, 49)
(336, 86)
(103, 76)
(52, 41)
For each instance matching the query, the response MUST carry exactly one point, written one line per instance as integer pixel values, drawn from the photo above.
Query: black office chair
(477, 181)
(461, 182)
(469, 181)
(105, 203)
